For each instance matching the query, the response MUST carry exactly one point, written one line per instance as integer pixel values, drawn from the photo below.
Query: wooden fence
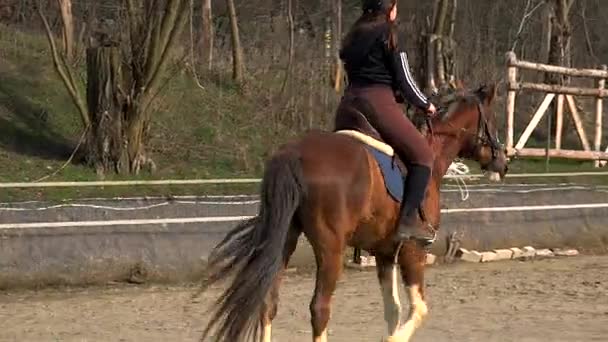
(562, 95)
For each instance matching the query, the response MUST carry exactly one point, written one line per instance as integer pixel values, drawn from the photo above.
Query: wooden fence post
(559, 124)
(599, 104)
(512, 81)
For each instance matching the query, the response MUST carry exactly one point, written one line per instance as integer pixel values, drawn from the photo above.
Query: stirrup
(431, 241)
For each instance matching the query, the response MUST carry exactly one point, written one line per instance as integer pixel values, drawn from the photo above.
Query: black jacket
(368, 60)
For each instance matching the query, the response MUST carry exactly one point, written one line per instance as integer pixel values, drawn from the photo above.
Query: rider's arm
(405, 81)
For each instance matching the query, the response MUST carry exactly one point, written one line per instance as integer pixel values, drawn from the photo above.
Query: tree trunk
(105, 145)
(292, 29)
(238, 60)
(207, 39)
(437, 60)
(439, 35)
(559, 50)
(68, 28)
(118, 133)
(560, 37)
(338, 78)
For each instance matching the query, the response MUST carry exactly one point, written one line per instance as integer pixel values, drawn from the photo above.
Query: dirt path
(547, 300)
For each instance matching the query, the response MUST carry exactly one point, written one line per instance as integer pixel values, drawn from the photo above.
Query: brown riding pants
(389, 120)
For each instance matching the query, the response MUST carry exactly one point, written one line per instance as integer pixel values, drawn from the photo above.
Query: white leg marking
(322, 338)
(418, 310)
(267, 332)
(392, 305)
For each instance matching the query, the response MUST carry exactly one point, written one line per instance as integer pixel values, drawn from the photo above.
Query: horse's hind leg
(272, 301)
(328, 253)
(412, 262)
(389, 286)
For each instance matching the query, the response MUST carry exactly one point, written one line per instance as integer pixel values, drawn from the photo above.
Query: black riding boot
(415, 185)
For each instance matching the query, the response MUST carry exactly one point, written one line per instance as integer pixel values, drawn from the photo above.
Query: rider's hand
(431, 111)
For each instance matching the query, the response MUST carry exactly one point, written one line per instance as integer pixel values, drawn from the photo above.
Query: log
(535, 120)
(558, 69)
(558, 89)
(568, 154)
(559, 124)
(578, 123)
(599, 107)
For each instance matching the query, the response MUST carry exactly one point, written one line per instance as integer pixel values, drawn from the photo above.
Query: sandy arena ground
(544, 300)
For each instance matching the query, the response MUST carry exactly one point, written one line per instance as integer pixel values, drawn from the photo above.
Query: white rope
(459, 171)
(215, 219)
(145, 207)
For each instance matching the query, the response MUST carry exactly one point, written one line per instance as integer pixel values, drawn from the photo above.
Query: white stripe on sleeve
(409, 79)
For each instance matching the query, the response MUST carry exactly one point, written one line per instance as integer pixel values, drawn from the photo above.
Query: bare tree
(238, 60)
(337, 21)
(64, 71)
(117, 111)
(437, 47)
(292, 29)
(559, 37)
(67, 29)
(207, 37)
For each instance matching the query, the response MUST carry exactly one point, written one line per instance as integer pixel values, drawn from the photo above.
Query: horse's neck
(446, 148)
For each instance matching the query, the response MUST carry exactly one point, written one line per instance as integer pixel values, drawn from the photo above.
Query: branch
(64, 72)
(527, 14)
(163, 37)
(587, 37)
(176, 28)
(151, 23)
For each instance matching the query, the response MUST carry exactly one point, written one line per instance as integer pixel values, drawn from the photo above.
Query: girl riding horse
(377, 69)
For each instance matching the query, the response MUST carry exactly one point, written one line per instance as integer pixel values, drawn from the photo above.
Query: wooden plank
(578, 123)
(558, 89)
(567, 154)
(512, 78)
(558, 69)
(599, 108)
(535, 120)
(559, 123)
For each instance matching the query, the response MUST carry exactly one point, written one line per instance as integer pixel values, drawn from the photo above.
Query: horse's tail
(253, 252)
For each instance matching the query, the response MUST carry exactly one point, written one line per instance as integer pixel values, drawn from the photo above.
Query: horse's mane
(456, 99)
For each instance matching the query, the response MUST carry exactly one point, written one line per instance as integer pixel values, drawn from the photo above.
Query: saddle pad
(393, 178)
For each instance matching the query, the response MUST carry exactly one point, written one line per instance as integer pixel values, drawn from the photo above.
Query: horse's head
(474, 120)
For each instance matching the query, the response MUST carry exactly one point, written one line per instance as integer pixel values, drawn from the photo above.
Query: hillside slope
(197, 133)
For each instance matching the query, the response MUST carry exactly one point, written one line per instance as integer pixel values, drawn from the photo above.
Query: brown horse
(330, 188)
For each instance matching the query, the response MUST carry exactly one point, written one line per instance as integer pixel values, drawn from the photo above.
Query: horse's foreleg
(412, 262)
(389, 285)
(329, 268)
(272, 300)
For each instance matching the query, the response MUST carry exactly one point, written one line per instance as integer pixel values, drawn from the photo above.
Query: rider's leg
(398, 131)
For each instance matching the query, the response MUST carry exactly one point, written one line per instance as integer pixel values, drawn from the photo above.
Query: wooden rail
(564, 96)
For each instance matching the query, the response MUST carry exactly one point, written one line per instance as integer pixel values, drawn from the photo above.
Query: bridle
(483, 135)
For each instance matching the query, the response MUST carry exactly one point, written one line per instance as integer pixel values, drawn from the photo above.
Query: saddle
(351, 121)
